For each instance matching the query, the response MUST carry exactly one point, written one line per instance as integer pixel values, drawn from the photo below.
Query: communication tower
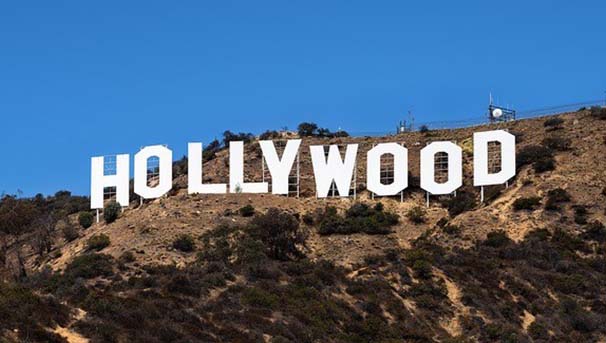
(500, 114)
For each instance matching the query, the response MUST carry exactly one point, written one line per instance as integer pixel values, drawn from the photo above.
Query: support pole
(355, 181)
(262, 169)
(298, 175)
(427, 195)
(482, 194)
(97, 216)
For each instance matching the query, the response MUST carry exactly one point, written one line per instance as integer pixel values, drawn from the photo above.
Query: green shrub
(422, 269)
(70, 233)
(308, 219)
(531, 153)
(97, 242)
(247, 211)
(358, 218)
(423, 129)
(451, 229)
(544, 164)
(258, 297)
(307, 129)
(85, 219)
(184, 242)
(580, 214)
(111, 212)
(280, 232)
(555, 197)
(269, 134)
(529, 203)
(417, 215)
(497, 239)
(89, 266)
(462, 202)
(557, 143)
(127, 257)
(595, 231)
(553, 122)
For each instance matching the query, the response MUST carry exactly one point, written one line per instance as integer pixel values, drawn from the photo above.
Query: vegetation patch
(359, 218)
(97, 242)
(555, 197)
(111, 212)
(530, 203)
(85, 219)
(184, 243)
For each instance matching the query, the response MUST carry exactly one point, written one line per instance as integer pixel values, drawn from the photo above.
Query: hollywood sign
(327, 168)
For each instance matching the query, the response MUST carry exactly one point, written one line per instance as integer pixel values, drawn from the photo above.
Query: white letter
(236, 172)
(280, 169)
(481, 177)
(334, 170)
(194, 173)
(99, 181)
(455, 168)
(165, 157)
(400, 169)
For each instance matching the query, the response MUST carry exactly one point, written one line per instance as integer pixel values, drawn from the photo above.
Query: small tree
(111, 212)
(280, 232)
(97, 242)
(85, 219)
(307, 129)
(417, 215)
(184, 243)
(247, 211)
(423, 129)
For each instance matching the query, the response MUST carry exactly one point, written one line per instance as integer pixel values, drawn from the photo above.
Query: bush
(127, 257)
(555, 197)
(529, 203)
(531, 153)
(85, 219)
(307, 129)
(422, 269)
(308, 219)
(580, 214)
(497, 239)
(451, 229)
(184, 243)
(557, 143)
(598, 112)
(462, 202)
(97, 242)
(111, 212)
(89, 266)
(417, 215)
(269, 134)
(553, 122)
(70, 233)
(544, 164)
(595, 231)
(247, 211)
(423, 129)
(280, 233)
(358, 218)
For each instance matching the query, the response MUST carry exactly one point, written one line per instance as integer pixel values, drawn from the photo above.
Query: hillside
(526, 265)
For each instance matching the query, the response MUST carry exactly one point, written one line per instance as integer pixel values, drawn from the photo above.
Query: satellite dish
(497, 112)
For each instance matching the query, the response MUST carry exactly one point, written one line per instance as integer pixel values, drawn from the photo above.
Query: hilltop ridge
(525, 265)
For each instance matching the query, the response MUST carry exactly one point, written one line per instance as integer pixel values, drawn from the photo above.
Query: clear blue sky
(80, 79)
